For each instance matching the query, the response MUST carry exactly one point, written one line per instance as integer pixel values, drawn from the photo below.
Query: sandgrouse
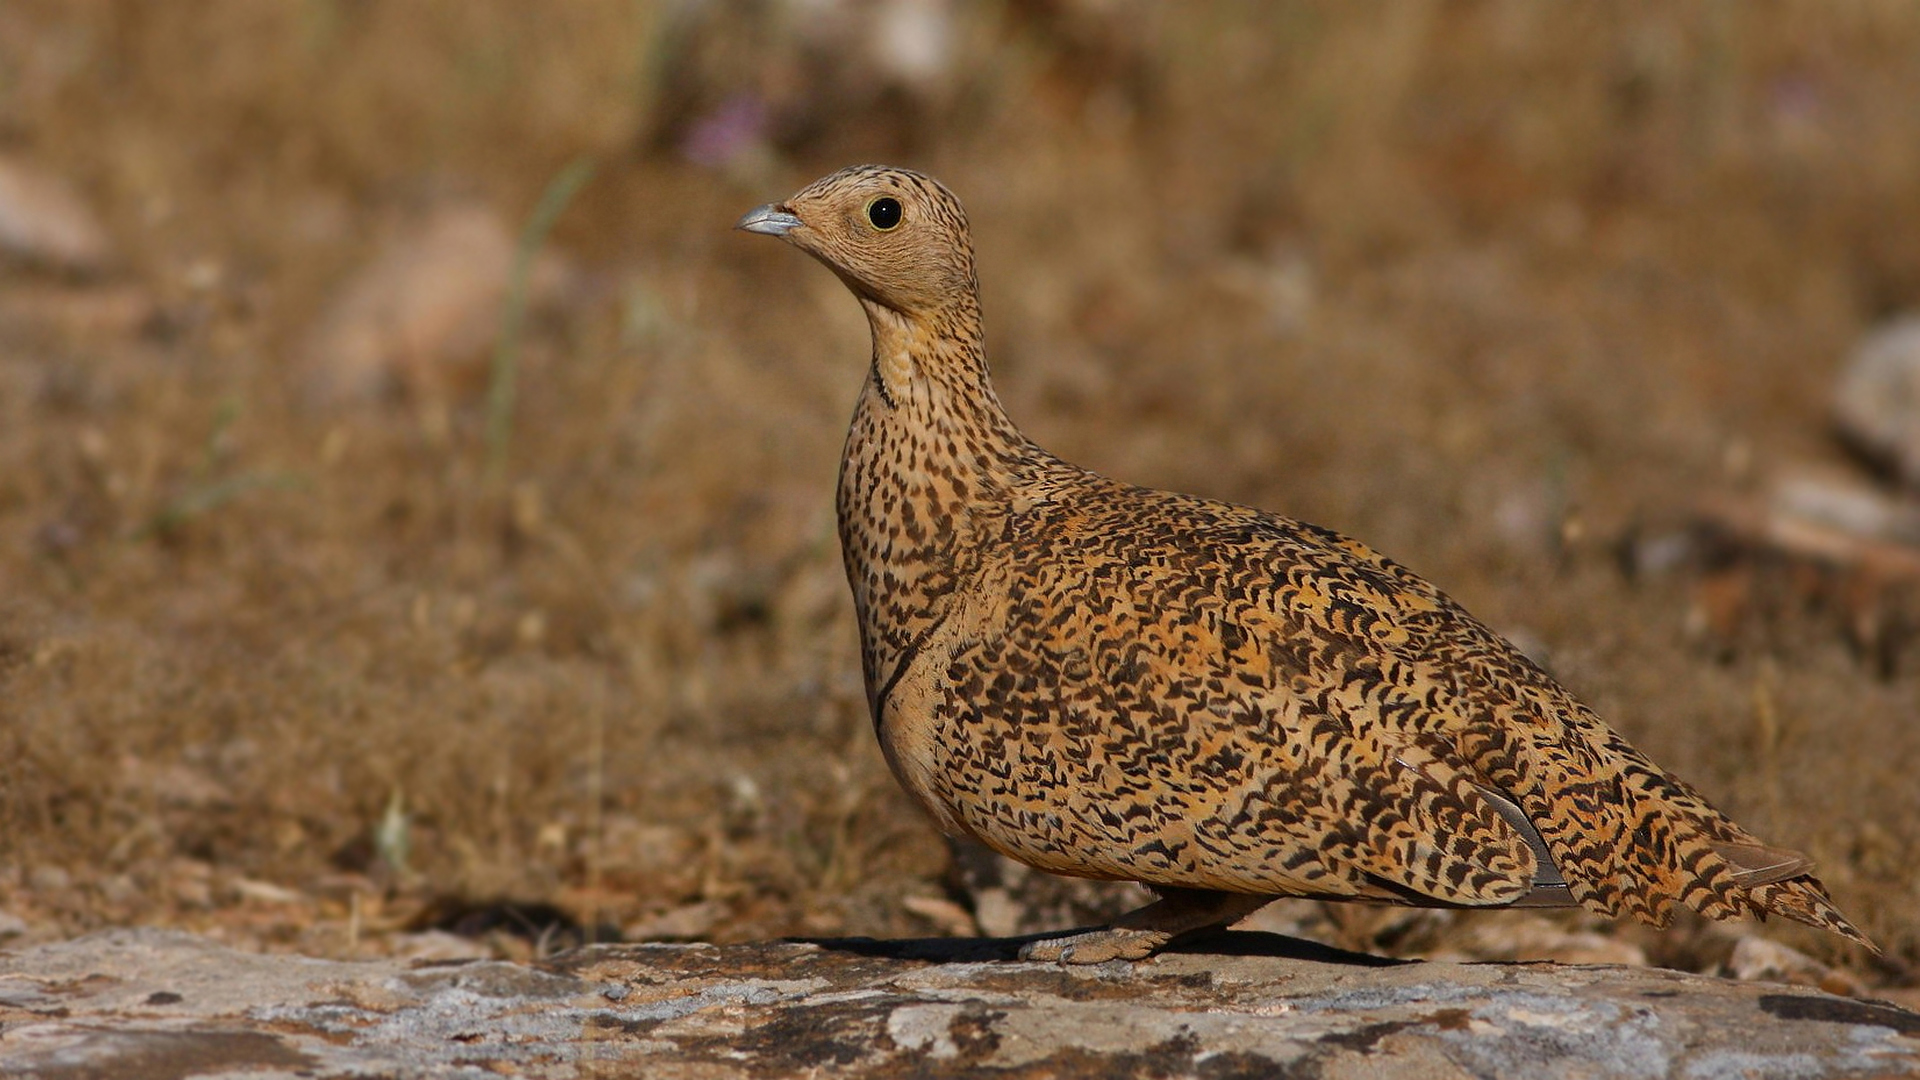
(1226, 705)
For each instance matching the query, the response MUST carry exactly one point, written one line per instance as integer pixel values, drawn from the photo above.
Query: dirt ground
(320, 632)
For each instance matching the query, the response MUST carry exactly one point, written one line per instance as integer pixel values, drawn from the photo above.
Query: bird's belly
(1052, 772)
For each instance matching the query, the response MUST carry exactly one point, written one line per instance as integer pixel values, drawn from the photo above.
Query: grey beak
(770, 220)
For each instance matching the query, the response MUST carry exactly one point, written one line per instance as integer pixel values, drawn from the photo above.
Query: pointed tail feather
(1625, 838)
(1759, 864)
(1803, 900)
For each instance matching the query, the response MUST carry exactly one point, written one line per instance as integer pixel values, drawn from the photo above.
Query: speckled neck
(930, 461)
(931, 369)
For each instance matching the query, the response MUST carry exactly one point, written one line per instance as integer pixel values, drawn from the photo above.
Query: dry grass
(1484, 283)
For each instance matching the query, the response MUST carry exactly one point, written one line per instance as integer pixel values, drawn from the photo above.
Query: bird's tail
(1776, 881)
(1630, 840)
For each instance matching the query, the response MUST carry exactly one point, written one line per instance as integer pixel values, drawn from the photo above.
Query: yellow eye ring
(884, 213)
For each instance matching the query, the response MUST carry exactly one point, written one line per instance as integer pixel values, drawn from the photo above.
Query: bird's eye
(884, 212)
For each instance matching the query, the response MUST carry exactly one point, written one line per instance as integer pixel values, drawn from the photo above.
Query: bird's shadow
(964, 950)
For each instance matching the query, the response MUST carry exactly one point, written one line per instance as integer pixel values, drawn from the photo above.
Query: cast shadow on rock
(960, 950)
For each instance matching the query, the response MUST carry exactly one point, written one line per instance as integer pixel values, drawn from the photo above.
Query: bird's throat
(929, 389)
(930, 459)
(905, 352)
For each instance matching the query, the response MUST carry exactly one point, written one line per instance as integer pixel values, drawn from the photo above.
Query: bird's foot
(1179, 913)
(1097, 946)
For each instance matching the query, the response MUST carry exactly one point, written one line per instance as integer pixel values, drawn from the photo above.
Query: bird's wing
(1627, 837)
(1208, 736)
(1237, 701)
(1387, 794)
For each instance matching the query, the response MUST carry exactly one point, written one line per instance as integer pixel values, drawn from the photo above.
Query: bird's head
(896, 237)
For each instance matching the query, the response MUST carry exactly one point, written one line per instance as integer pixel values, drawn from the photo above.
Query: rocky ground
(138, 1005)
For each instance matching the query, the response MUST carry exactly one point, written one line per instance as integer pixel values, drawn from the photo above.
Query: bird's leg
(1140, 933)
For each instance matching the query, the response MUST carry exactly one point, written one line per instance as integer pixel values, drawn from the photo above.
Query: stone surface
(44, 221)
(1877, 399)
(426, 305)
(161, 1004)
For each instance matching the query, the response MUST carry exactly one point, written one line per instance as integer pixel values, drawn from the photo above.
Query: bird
(1223, 704)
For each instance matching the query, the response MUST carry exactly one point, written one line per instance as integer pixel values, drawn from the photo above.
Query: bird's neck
(929, 464)
(931, 367)
(928, 389)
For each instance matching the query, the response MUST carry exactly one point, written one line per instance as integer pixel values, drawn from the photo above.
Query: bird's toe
(1097, 946)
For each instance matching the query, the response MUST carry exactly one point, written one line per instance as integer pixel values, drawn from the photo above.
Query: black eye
(884, 212)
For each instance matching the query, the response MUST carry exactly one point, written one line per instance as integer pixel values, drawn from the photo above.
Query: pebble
(1877, 400)
(681, 923)
(1756, 959)
(428, 301)
(43, 221)
(49, 879)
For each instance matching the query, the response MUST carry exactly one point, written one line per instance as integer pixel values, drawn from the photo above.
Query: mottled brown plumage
(1229, 706)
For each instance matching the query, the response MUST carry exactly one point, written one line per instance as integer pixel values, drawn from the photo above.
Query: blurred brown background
(320, 632)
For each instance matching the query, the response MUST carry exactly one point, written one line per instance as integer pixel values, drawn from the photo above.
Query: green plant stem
(501, 387)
